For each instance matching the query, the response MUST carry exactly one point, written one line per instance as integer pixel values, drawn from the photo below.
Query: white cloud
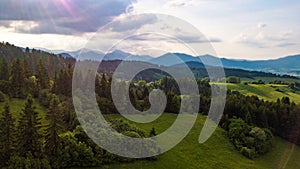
(261, 25)
(266, 38)
(48, 41)
(179, 3)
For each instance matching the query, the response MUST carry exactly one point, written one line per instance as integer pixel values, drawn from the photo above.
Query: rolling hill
(287, 64)
(217, 152)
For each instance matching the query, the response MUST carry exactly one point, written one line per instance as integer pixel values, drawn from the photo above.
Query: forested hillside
(31, 58)
(52, 137)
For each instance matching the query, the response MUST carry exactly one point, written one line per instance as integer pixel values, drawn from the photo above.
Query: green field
(270, 79)
(16, 106)
(217, 152)
(266, 92)
(270, 92)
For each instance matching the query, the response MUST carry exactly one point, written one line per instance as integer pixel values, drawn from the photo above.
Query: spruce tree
(17, 81)
(54, 117)
(42, 75)
(54, 86)
(53, 141)
(4, 70)
(248, 118)
(26, 68)
(29, 138)
(7, 133)
(103, 86)
(68, 84)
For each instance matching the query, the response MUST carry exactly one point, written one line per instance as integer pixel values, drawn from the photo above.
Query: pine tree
(4, 70)
(54, 86)
(54, 116)
(98, 86)
(248, 118)
(17, 81)
(69, 76)
(42, 75)
(7, 133)
(52, 144)
(64, 81)
(103, 86)
(29, 138)
(60, 82)
(26, 68)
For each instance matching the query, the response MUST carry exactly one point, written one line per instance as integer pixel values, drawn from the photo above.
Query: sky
(238, 29)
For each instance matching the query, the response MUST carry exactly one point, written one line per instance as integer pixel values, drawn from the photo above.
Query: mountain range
(285, 65)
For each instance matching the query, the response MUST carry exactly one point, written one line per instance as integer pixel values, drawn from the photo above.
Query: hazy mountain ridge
(285, 65)
(282, 65)
(121, 55)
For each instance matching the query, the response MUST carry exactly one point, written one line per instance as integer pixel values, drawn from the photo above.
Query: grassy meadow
(217, 152)
(270, 92)
(16, 106)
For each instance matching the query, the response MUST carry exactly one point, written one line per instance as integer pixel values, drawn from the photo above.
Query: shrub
(233, 79)
(250, 141)
(250, 153)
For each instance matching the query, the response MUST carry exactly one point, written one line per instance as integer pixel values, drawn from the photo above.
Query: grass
(269, 92)
(270, 79)
(217, 152)
(16, 106)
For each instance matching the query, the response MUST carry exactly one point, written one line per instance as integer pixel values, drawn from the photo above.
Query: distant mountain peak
(121, 55)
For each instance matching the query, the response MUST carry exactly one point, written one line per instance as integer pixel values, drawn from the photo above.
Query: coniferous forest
(54, 138)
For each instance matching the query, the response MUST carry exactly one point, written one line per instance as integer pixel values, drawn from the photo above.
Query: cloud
(183, 37)
(265, 38)
(179, 3)
(132, 22)
(63, 16)
(193, 39)
(253, 41)
(215, 40)
(261, 25)
(287, 44)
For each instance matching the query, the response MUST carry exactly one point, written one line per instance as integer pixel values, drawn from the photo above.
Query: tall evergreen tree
(64, 81)
(103, 86)
(248, 118)
(54, 117)
(69, 76)
(29, 138)
(4, 70)
(7, 133)
(17, 81)
(42, 75)
(54, 86)
(26, 68)
(60, 81)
